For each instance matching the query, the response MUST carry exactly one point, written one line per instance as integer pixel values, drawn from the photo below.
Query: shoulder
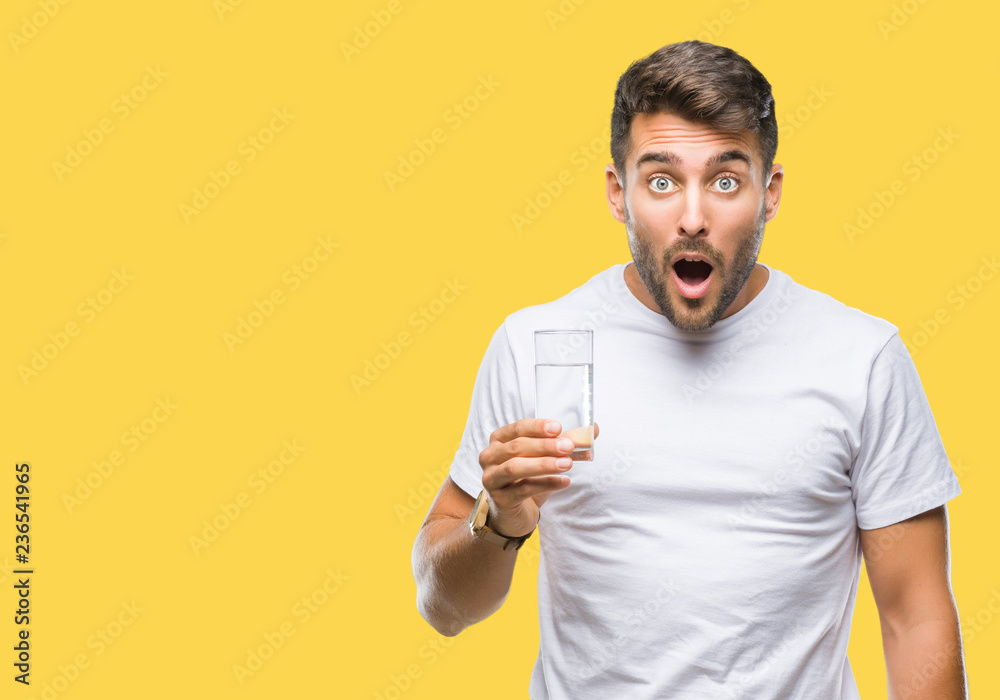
(568, 310)
(513, 337)
(830, 321)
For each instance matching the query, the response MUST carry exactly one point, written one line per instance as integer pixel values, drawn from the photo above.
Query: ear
(616, 193)
(773, 192)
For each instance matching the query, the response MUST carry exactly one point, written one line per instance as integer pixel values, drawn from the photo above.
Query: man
(756, 438)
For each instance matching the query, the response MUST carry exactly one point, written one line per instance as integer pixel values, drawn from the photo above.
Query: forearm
(925, 662)
(460, 579)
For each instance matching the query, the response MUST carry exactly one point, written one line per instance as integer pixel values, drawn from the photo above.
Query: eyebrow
(668, 158)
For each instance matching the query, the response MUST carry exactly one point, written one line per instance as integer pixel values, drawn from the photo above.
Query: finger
(521, 491)
(597, 430)
(502, 475)
(534, 447)
(526, 427)
(521, 446)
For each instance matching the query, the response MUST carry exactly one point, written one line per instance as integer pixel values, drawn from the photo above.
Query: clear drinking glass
(564, 385)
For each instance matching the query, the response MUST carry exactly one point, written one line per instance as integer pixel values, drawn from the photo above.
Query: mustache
(706, 251)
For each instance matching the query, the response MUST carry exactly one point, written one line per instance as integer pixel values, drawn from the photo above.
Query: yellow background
(344, 511)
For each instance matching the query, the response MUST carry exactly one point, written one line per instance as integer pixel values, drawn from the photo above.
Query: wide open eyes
(724, 183)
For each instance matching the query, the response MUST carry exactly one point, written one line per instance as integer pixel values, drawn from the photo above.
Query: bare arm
(462, 580)
(908, 567)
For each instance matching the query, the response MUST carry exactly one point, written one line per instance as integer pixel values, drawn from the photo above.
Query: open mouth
(692, 274)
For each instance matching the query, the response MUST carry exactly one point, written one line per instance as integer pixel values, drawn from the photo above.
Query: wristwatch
(477, 523)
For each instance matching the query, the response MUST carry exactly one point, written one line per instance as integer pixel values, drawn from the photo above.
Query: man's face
(693, 192)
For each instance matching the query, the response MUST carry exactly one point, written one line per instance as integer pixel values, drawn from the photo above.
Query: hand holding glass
(564, 385)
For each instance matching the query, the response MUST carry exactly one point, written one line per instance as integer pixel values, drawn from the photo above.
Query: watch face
(479, 512)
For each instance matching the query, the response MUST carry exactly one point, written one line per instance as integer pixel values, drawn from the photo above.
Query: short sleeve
(901, 468)
(496, 402)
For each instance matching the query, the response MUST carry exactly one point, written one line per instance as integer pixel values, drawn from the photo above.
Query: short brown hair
(699, 82)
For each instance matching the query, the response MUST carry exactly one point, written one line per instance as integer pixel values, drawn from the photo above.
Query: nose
(692, 221)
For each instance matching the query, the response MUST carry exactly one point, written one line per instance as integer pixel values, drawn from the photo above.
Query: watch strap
(480, 529)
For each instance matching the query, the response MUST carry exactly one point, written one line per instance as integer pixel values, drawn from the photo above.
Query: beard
(696, 314)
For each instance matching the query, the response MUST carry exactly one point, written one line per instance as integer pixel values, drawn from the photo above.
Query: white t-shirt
(711, 549)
